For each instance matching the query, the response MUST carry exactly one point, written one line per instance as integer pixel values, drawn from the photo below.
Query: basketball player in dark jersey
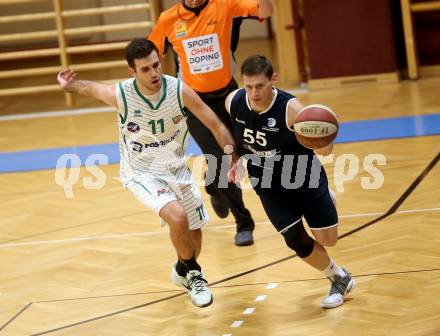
(287, 177)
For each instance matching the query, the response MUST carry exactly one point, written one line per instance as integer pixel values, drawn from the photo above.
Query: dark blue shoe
(244, 238)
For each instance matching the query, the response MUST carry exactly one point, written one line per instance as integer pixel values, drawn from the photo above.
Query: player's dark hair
(256, 65)
(139, 48)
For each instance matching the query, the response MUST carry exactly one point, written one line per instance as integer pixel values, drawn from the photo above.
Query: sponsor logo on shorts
(162, 191)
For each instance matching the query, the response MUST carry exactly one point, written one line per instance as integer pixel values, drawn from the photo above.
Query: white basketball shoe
(198, 289)
(196, 286)
(340, 287)
(177, 279)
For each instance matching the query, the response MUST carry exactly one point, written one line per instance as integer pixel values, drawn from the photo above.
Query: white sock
(333, 269)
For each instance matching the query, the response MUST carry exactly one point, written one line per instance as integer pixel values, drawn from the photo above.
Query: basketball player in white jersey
(152, 139)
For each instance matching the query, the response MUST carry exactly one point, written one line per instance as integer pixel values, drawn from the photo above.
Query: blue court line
(389, 128)
(353, 131)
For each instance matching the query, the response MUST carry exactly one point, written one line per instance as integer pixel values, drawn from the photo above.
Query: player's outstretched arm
(104, 92)
(207, 116)
(294, 107)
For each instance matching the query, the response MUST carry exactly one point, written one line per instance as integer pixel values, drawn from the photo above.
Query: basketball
(316, 126)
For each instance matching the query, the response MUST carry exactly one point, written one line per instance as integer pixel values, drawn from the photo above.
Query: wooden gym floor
(99, 263)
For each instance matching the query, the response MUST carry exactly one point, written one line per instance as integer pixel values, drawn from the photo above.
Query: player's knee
(328, 241)
(326, 237)
(177, 219)
(180, 221)
(298, 240)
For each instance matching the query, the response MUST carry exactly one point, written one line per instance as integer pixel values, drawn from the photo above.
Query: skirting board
(429, 71)
(335, 82)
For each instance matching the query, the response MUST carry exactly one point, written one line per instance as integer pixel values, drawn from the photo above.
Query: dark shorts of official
(285, 207)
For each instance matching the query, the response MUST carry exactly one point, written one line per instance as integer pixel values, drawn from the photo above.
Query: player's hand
(324, 151)
(236, 172)
(65, 77)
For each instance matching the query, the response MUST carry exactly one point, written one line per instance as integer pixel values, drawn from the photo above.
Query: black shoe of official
(221, 208)
(244, 238)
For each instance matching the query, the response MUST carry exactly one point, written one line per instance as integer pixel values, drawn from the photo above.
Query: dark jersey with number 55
(270, 145)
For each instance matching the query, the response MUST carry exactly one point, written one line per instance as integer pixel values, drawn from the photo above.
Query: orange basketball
(316, 126)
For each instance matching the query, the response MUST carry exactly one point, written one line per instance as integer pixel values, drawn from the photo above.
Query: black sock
(191, 264)
(181, 268)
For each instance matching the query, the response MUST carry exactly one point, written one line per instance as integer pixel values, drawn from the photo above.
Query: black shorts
(285, 207)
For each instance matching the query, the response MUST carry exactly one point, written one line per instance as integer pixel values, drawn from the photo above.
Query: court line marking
(113, 313)
(153, 233)
(393, 209)
(105, 220)
(61, 113)
(388, 213)
(259, 298)
(236, 324)
(110, 296)
(112, 180)
(249, 311)
(16, 315)
(154, 302)
(372, 130)
(272, 285)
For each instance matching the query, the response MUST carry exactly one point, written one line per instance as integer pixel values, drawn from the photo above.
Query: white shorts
(156, 191)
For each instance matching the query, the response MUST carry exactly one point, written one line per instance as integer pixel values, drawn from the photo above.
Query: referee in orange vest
(200, 34)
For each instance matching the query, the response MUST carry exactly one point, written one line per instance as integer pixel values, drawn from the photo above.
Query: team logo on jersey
(271, 122)
(137, 113)
(177, 119)
(180, 29)
(133, 127)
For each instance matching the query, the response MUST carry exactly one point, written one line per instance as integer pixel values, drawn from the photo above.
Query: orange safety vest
(202, 43)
